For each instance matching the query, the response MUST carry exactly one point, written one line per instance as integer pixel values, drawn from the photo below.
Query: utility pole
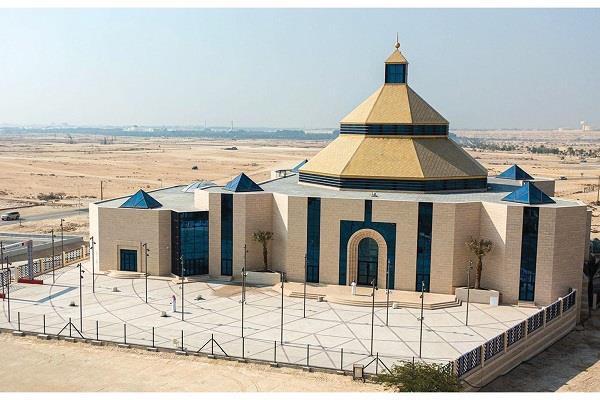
(8, 286)
(372, 314)
(53, 256)
(2, 254)
(146, 251)
(421, 318)
(598, 192)
(468, 290)
(101, 190)
(305, 278)
(182, 285)
(282, 276)
(92, 243)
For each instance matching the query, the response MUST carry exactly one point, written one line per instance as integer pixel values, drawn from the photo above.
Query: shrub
(420, 377)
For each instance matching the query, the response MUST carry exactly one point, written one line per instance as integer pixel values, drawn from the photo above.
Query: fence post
(482, 351)
(307, 355)
(243, 350)
(505, 341)
(125, 333)
(560, 307)
(19, 321)
(275, 351)
(212, 343)
(44, 323)
(544, 314)
(377, 363)
(97, 331)
(526, 327)
(70, 326)
(153, 337)
(182, 340)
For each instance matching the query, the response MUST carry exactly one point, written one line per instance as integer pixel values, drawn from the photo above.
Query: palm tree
(263, 238)
(590, 269)
(480, 248)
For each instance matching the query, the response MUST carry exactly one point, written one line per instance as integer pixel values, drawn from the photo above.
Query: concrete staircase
(125, 274)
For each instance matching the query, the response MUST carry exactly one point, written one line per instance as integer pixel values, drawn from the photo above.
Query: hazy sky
(295, 68)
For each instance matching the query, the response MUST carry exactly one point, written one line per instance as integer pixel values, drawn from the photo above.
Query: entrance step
(125, 274)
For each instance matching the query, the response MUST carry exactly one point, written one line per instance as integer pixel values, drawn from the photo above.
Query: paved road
(51, 215)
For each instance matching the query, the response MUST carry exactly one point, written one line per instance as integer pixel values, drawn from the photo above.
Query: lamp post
(372, 314)
(182, 285)
(468, 291)
(305, 278)
(1, 254)
(53, 256)
(146, 252)
(8, 286)
(81, 272)
(421, 318)
(282, 277)
(92, 247)
(62, 244)
(244, 288)
(387, 293)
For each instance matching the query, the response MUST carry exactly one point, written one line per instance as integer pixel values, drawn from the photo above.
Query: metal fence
(44, 265)
(211, 343)
(502, 343)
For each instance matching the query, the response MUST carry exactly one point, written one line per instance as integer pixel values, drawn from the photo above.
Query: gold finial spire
(397, 45)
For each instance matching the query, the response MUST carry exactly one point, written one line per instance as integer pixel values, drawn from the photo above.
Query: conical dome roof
(394, 140)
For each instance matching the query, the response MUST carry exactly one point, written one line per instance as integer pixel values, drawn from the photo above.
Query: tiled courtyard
(214, 308)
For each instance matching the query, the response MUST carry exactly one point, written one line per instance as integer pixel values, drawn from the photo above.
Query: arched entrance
(367, 261)
(367, 258)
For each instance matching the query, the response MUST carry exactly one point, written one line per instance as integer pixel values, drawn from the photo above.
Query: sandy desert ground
(43, 164)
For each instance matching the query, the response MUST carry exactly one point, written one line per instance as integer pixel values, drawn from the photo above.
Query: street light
(421, 318)
(182, 285)
(92, 243)
(243, 289)
(305, 278)
(8, 286)
(373, 314)
(387, 293)
(81, 272)
(282, 277)
(53, 256)
(468, 290)
(62, 243)
(146, 251)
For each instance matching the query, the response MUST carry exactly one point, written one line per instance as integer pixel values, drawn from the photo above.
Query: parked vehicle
(10, 216)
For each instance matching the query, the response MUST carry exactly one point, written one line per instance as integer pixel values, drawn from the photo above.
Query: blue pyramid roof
(141, 200)
(297, 167)
(528, 194)
(242, 183)
(516, 173)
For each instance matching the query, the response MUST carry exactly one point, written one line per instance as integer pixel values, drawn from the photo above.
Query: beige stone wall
(279, 226)
(252, 212)
(93, 215)
(294, 210)
(405, 215)
(442, 247)
(214, 234)
(201, 200)
(467, 224)
(332, 211)
(127, 228)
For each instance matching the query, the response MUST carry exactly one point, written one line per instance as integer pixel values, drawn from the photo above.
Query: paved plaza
(213, 309)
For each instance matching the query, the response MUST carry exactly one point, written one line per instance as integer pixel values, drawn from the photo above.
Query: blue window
(226, 234)
(529, 242)
(128, 260)
(368, 255)
(424, 245)
(313, 239)
(189, 237)
(368, 210)
(395, 73)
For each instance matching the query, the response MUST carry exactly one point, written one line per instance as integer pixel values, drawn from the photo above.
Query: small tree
(420, 377)
(480, 248)
(263, 238)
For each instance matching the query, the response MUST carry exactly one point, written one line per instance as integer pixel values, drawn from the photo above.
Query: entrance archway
(367, 261)
(367, 256)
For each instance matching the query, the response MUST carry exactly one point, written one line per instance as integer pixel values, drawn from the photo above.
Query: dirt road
(62, 366)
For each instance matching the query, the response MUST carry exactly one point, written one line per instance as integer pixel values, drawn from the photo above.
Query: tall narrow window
(424, 245)
(189, 239)
(529, 241)
(226, 234)
(313, 239)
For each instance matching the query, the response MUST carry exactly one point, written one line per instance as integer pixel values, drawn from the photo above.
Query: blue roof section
(141, 200)
(528, 194)
(297, 167)
(242, 183)
(515, 173)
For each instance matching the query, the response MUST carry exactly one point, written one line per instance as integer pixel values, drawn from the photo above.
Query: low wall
(262, 278)
(501, 354)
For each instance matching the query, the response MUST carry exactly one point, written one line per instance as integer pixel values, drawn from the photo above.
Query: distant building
(391, 199)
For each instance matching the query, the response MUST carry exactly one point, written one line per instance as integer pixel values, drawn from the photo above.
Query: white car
(10, 216)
